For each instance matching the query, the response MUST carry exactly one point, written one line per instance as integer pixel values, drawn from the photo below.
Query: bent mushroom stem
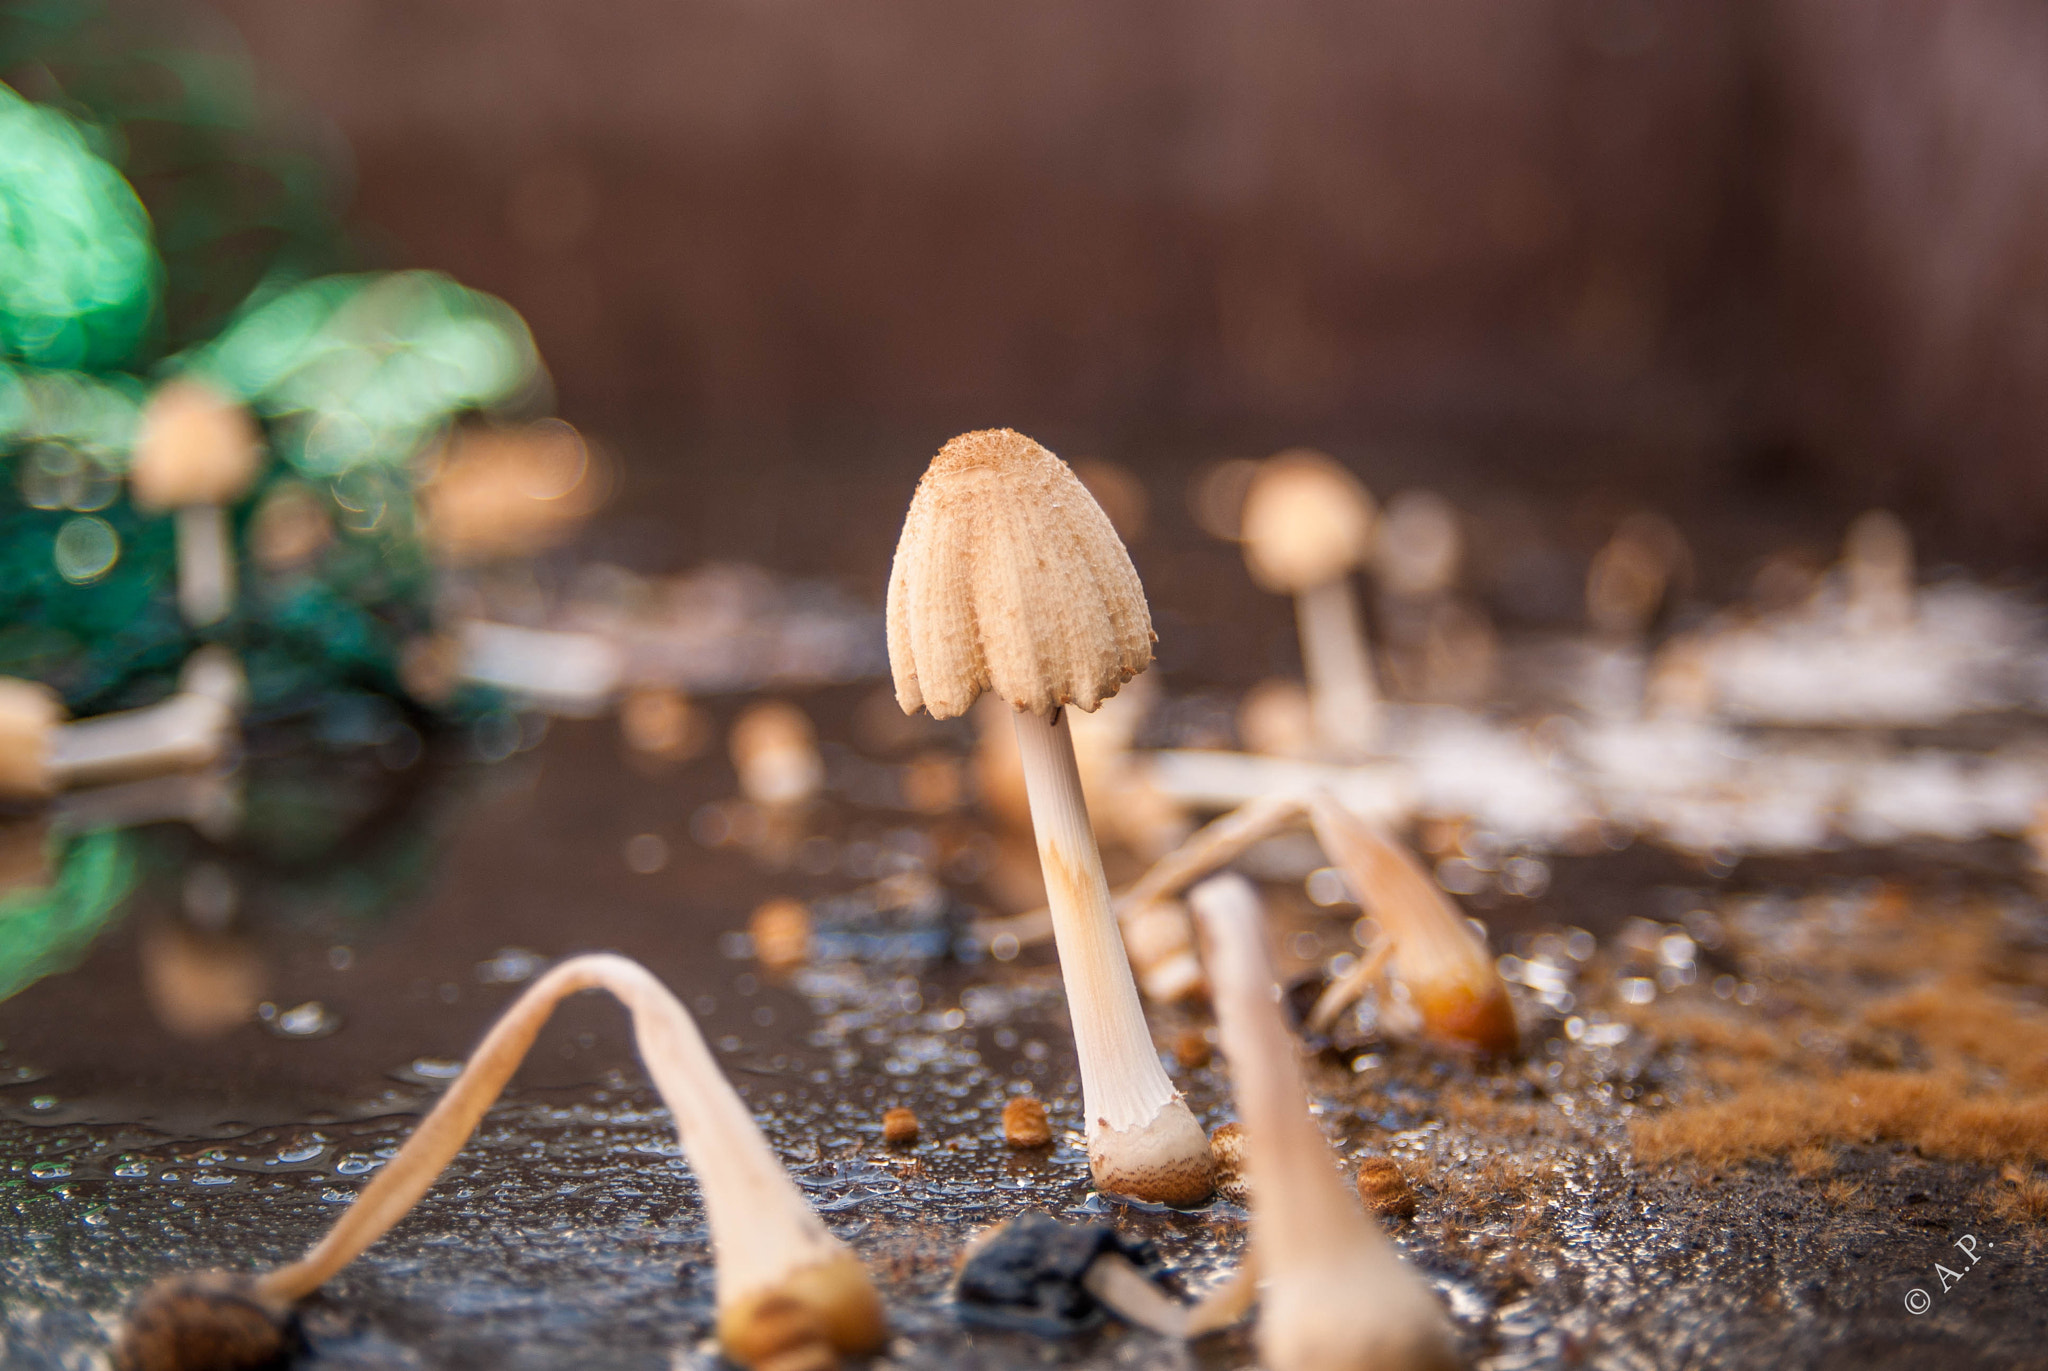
(783, 1281)
(1337, 1296)
(1142, 1138)
(1215, 844)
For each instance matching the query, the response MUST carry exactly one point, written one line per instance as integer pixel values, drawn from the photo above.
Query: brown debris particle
(1839, 1192)
(1815, 1160)
(1024, 1123)
(2019, 1197)
(1384, 1188)
(1226, 1146)
(899, 1127)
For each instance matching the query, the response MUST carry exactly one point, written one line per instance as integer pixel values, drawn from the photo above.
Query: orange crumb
(1384, 1188)
(1024, 1123)
(1226, 1147)
(899, 1127)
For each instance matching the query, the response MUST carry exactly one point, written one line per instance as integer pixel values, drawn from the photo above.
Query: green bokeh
(79, 275)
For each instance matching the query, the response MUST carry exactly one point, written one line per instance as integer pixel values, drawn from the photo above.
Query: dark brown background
(1784, 247)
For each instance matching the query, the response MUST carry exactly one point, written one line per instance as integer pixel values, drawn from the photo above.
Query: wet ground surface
(568, 1233)
(381, 902)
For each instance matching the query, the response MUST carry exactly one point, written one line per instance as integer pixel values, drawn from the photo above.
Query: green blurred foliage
(46, 928)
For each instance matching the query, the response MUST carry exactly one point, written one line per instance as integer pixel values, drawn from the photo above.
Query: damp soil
(569, 1232)
(383, 903)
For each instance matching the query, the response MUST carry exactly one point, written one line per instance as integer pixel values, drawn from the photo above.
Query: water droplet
(213, 1178)
(436, 1068)
(333, 1196)
(50, 1171)
(303, 1152)
(511, 966)
(355, 1165)
(309, 1020)
(132, 1170)
(86, 549)
(646, 853)
(43, 1102)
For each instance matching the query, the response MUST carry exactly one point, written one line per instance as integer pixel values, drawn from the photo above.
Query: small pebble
(1024, 1123)
(899, 1127)
(1226, 1146)
(1384, 1188)
(1191, 1049)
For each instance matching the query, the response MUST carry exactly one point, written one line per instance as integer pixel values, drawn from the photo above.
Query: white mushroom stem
(1337, 1297)
(1142, 1138)
(206, 565)
(765, 1238)
(1343, 698)
(1384, 790)
(208, 800)
(1116, 1281)
(183, 733)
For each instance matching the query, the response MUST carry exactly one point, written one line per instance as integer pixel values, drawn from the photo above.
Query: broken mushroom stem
(1336, 1295)
(40, 754)
(1009, 578)
(1446, 968)
(789, 1293)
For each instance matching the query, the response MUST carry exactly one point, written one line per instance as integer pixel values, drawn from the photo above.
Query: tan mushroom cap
(1306, 522)
(29, 715)
(1008, 577)
(194, 447)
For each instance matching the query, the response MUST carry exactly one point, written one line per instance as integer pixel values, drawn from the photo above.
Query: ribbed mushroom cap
(1008, 577)
(194, 447)
(1306, 522)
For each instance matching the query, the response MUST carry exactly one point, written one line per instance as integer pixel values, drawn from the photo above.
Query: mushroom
(1307, 525)
(40, 754)
(1008, 577)
(1336, 1295)
(196, 452)
(790, 1295)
